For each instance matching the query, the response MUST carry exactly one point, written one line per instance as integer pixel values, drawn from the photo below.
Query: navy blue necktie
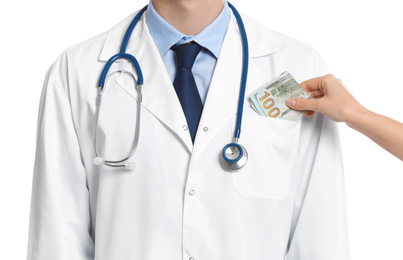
(185, 85)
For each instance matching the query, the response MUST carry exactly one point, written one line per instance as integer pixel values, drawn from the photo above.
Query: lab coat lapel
(222, 98)
(159, 96)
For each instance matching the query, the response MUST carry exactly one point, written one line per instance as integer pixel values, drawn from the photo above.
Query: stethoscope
(232, 157)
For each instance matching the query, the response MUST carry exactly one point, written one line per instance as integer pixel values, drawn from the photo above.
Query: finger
(313, 84)
(310, 113)
(315, 94)
(301, 104)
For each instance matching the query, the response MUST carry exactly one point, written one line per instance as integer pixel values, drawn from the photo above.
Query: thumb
(301, 104)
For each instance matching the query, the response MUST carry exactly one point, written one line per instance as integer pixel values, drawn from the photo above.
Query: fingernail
(291, 102)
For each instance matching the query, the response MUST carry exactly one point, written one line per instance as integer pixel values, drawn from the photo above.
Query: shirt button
(205, 129)
(191, 192)
(185, 127)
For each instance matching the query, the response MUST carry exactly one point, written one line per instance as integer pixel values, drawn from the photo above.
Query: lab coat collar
(260, 44)
(115, 36)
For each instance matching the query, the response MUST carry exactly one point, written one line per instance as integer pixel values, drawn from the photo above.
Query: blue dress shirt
(210, 38)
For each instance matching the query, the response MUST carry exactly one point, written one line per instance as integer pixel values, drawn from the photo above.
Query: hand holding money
(330, 98)
(270, 99)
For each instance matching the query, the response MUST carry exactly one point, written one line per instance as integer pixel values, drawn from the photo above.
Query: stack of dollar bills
(269, 100)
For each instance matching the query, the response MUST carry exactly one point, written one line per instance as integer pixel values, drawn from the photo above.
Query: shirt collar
(165, 35)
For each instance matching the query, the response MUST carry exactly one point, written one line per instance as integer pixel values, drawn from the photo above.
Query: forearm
(384, 131)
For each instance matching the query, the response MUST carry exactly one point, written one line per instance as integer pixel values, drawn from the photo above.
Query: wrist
(355, 117)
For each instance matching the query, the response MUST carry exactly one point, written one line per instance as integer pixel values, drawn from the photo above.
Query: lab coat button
(205, 129)
(185, 127)
(191, 258)
(191, 192)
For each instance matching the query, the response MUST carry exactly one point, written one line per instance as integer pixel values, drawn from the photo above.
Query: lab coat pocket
(272, 146)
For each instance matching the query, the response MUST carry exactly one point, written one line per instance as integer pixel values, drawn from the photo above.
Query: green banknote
(269, 100)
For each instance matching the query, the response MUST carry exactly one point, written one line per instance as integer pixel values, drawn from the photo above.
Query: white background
(360, 40)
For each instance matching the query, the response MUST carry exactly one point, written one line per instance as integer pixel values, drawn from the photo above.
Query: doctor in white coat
(287, 202)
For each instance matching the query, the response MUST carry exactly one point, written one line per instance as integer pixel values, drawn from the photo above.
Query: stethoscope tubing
(245, 62)
(116, 57)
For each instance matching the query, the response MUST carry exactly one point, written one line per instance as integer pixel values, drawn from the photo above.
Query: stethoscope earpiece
(99, 161)
(130, 166)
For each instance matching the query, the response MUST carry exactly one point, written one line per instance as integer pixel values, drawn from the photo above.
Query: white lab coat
(179, 203)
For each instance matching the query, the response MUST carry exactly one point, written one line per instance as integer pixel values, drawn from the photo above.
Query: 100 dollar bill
(269, 100)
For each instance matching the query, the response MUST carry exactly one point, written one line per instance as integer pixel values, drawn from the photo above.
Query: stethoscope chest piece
(233, 157)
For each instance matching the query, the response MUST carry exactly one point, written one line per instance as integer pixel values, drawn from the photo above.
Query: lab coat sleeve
(319, 226)
(60, 213)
